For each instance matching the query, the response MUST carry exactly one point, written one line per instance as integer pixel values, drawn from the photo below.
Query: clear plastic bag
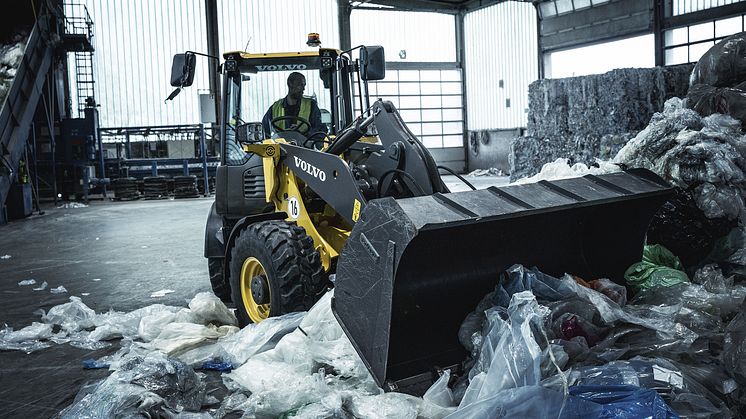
(207, 308)
(72, 316)
(153, 386)
(527, 402)
(438, 401)
(176, 338)
(257, 338)
(385, 406)
(315, 360)
(510, 356)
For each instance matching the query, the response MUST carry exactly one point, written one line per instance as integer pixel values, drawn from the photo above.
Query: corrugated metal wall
(501, 61)
(422, 36)
(277, 26)
(136, 39)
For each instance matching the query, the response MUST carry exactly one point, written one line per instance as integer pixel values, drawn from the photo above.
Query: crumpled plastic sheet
(548, 289)
(670, 334)
(734, 346)
(717, 80)
(207, 308)
(623, 402)
(509, 356)
(316, 360)
(723, 64)
(174, 330)
(58, 290)
(151, 386)
(72, 317)
(561, 169)
(686, 389)
(658, 268)
(29, 339)
(253, 339)
(176, 338)
(528, 402)
(706, 155)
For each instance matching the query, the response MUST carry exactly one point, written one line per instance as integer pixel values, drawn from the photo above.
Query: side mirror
(372, 63)
(182, 70)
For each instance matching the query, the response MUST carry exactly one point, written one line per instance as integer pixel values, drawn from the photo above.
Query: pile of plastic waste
(11, 55)
(538, 346)
(297, 365)
(575, 348)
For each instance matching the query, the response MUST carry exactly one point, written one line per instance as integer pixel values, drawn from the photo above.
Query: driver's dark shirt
(314, 120)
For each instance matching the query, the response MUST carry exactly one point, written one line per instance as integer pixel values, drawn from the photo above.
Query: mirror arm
(204, 55)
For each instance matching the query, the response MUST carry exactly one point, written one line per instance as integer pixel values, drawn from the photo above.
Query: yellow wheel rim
(251, 268)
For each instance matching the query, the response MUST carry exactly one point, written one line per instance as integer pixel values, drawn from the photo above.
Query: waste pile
(538, 346)
(11, 54)
(718, 80)
(705, 158)
(576, 348)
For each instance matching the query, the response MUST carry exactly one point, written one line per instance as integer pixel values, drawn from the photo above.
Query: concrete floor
(135, 248)
(118, 253)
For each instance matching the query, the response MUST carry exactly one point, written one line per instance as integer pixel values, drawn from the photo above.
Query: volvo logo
(281, 67)
(310, 169)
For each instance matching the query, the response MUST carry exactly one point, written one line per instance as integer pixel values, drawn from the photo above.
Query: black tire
(220, 286)
(293, 268)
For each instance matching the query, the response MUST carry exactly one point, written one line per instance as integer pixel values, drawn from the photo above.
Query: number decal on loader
(293, 207)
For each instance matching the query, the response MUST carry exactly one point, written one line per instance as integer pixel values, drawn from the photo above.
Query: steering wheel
(313, 142)
(297, 125)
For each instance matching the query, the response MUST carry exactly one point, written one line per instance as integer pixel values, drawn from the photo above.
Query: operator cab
(251, 84)
(255, 82)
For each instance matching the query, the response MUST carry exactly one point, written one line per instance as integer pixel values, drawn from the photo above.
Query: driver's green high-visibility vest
(304, 112)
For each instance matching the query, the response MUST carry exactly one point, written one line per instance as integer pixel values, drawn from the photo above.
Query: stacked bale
(590, 117)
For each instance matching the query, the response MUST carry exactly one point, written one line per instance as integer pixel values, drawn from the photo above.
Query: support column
(461, 60)
(213, 48)
(658, 40)
(343, 16)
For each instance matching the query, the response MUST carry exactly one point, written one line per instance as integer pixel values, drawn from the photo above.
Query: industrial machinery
(365, 202)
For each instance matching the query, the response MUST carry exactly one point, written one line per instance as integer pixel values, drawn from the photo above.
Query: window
(688, 44)
(634, 52)
(429, 102)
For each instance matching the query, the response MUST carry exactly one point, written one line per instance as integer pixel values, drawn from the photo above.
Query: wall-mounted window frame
(687, 43)
(429, 98)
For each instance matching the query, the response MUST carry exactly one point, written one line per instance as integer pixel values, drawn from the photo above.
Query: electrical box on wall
(207, 108)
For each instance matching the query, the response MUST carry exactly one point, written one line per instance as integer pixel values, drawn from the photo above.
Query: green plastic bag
(658, 268)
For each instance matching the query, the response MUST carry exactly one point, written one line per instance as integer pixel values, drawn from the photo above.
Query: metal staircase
(17, 111)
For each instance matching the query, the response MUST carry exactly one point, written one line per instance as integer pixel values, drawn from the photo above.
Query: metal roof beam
(412, 5)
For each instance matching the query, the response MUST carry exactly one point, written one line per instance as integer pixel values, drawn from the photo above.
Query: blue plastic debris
(217, 365)
(92, 364)
(625, 401)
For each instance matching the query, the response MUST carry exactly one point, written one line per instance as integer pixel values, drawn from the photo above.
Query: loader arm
(328, 176)
(400, 152)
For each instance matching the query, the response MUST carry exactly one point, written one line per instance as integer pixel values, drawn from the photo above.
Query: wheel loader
(360, 206)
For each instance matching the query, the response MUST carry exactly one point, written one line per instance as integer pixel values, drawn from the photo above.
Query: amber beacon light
(313, 40)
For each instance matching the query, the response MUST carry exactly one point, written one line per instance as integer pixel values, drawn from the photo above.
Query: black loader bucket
(412, 269)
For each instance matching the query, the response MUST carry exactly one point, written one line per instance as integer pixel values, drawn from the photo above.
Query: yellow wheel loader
(363, 199)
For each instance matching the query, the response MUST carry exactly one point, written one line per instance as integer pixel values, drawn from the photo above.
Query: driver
(294, 104)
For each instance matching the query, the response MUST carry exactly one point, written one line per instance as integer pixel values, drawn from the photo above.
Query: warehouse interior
(373, 209)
